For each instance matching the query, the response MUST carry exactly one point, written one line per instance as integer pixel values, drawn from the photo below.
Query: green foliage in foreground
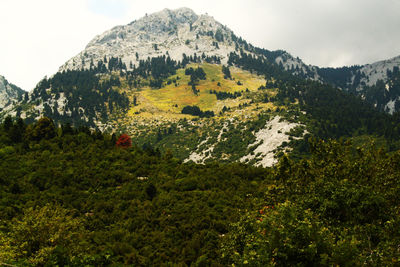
(76, 199)
(71, 197)
(340, 207)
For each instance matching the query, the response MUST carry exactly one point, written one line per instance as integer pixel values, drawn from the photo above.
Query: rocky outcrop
(9, 93)
(168, 32)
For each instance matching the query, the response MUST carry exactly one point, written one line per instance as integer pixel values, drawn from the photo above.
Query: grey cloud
(325, 33)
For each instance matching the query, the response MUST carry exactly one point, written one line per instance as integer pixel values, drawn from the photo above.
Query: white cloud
(39, 36)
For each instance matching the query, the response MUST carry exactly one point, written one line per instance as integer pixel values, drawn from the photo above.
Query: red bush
(124, 141)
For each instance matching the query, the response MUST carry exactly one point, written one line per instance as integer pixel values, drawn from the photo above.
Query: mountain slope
(177, 81)
(181, 34)
(372, 82)
(9, 93)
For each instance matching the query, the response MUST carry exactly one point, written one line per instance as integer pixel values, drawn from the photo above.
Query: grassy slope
(170, 99)
(229, 132)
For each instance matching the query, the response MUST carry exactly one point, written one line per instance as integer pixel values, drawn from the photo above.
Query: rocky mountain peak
(9, 93)
(168, 32)
(180, 15)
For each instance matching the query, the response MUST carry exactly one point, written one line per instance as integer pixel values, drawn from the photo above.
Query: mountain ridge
(360, 80)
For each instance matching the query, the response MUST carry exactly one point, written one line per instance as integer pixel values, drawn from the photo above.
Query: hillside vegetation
(177, 91)
(71, 197)
(170, 141)
(202, 110)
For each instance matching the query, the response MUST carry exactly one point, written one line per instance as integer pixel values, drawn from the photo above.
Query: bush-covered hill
(338, 208)
(71, 197)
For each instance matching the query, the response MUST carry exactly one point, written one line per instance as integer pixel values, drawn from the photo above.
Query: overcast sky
(38, 36)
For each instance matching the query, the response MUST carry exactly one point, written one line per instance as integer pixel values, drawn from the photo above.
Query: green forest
(75, 197)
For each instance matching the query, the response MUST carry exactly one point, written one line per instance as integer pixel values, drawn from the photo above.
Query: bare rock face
(168, 32)
(9, 93)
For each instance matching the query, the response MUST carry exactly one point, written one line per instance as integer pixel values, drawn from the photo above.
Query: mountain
(236, 155)
(169, 32)
(356, 78)
(184, 83)
(375, 83)
(9, 93)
